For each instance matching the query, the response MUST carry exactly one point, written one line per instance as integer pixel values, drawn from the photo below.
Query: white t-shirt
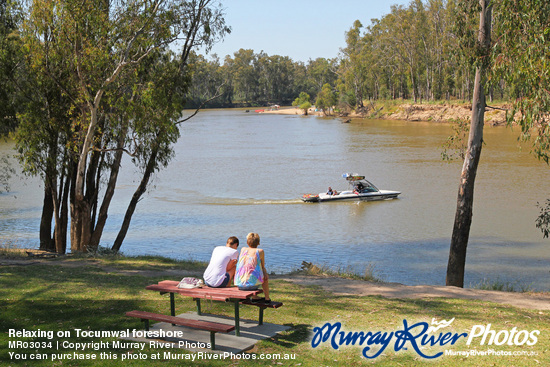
(215, 272)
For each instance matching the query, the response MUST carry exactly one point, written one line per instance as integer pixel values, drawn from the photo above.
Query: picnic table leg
(237, 321)
(212, 340)
(172, 305)
(261, 318)
(198, 300)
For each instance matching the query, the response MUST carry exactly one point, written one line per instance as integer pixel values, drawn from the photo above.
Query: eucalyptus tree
(303, 102)
(244, 73)
(353, 69)
(119, 90)
(522, 60)
(46, 133)
(207, 79)
(408, 46)
(464, 208)
(322, 71)
(228, 83)
(440, 15)
(389, 65)
(371, 56)
(279, 72)
(326, 99)
(10, 56)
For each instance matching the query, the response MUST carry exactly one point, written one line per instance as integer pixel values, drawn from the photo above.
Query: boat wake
(251, 201)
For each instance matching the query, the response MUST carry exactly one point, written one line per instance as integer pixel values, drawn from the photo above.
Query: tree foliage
(251, 79)
(10, 57)
(326, 99)
(303, 102)
(517, 55)
(101, 82)
(424, 50)
(522, 58)
(543, 221)
(409, 53)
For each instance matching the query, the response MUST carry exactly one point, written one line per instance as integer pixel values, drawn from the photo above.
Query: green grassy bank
(93, 294)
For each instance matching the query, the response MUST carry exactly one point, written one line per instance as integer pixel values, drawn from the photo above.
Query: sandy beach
(289, 110)
(282, 111)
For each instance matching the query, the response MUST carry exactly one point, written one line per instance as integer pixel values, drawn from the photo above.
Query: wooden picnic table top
(216, 294)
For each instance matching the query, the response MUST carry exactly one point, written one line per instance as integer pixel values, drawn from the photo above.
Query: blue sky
(300, 29)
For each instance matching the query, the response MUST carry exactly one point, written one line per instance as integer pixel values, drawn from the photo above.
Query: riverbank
(154, 266)
(63, 295)
(447, 112)
(441, 113)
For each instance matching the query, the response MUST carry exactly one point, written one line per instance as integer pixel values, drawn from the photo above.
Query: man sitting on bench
(221, 269)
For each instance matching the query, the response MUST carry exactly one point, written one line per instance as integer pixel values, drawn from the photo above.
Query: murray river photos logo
(418, 336)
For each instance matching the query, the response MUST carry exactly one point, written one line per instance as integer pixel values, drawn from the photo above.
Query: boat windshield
(363, 186)
(359, 183)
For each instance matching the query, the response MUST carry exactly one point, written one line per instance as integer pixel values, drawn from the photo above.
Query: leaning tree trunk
(149, 169)
(463, 217)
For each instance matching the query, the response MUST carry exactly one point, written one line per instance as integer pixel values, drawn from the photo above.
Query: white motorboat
(359, 189)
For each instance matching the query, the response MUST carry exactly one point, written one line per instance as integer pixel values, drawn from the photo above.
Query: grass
(61, 298)
(11, 250)
(499, 285)
(142, 262)
(348, 272)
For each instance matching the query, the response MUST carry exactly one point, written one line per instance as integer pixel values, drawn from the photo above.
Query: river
(236, 172)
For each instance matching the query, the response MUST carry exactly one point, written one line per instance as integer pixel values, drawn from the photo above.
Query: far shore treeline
(414, 52)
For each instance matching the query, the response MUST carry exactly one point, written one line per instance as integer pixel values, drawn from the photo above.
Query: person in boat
(221, 269)
(251, 272)
(330, 192)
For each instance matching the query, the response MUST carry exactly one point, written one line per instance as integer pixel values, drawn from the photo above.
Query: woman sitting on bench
(251, 272)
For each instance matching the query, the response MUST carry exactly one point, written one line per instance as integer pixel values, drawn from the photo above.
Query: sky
(300, 29)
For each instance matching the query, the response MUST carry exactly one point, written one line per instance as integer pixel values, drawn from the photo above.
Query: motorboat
(359, 189)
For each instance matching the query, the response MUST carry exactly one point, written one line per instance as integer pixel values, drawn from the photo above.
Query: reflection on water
(237, 172)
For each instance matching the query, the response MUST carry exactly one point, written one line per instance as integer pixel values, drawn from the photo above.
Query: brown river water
(236, 172)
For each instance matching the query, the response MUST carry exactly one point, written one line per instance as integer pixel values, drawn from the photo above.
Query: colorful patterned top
(249, 269)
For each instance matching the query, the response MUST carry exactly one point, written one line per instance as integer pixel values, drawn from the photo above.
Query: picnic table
(229, 294)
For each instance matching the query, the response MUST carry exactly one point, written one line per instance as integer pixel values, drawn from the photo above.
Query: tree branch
(114, 150)
(496, 108)
(218, 94)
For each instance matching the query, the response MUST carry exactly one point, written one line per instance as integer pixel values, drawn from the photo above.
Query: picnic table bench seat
(225, 294)
(262, 307)
(212, 327)
(271, 304)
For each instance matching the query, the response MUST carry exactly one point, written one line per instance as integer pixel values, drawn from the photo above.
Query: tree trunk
(81, 226)
(46, 243)
(151, 164)
(464, 208)
(413, 83)
(61, 223)
(109, 192)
